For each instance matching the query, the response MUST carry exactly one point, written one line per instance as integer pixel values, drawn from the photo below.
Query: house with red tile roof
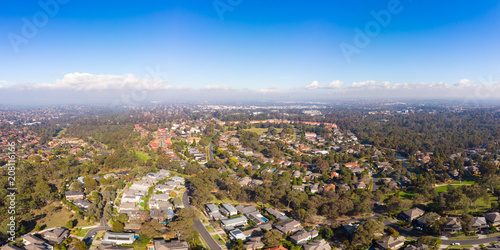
(280, 247)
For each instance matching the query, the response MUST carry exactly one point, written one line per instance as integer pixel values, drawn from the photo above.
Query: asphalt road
(103, 226)
(211, 151)
(198, 226)
(472, 242)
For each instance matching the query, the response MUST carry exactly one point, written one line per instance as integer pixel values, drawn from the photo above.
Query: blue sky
(271, 47)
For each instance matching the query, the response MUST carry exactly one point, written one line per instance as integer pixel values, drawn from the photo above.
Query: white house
(111, 238)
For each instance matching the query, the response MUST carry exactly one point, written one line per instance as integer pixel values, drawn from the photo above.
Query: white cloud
(267, 91)
(313, 85)
(87, 81)
(363, 84)
(216, 87)
(465, 81)
(332, 85)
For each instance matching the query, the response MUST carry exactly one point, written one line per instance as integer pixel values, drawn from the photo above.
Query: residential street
(103, 226)
(198, 226)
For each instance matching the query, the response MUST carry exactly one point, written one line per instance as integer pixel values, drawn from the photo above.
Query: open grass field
(143, 156)
(261, 131)
(60, 133)
(441, 189)
(55, 215)
(481, 206)
(406, 195)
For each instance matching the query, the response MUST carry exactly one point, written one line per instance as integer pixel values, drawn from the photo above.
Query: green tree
(326, 232)
(433, 242)
(80, 245)
(183, 225)
(118, 226)
(272, 238)
(150, 228)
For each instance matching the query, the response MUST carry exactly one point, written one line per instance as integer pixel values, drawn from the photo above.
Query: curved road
(103, 226)
(198, 226)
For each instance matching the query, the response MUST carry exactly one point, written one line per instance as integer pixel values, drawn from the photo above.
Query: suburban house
(289, 226)
(276, 213)
(163, 188)
(164, 173)
(427, 219)
(237, 235)
(110, 175)
(142, 185)
(320, 244)
(493, 218)
(32, 242)
(56, 235)
(254, 243)
(280, 247)
(228, 209)
(126, 207)
(411, 214)
(314, 188)
(131, 198)
(29, 239)
(211, 207)
(178, 179)
(160, 197)
(361, 185)
(161, 244)
(256, 231)
(73, 195)
(453, 224)
(137, 215)
(391, 242)
(303, 236)
(161, 205)
(111, 247)
(256, 217)
(213, 211)
(10, 247)
(479, 223)
(111, 238)
(233, 222)
(82, 204)
(245, 209)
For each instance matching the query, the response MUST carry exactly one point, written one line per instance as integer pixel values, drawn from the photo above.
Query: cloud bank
(129, 89)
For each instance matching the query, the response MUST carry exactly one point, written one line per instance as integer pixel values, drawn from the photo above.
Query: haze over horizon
(126, 52)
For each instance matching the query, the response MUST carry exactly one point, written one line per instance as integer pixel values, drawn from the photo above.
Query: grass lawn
(60, 133)
(83, 232)
(58, 217)
(459, 247)
(261, 131)
(441, 189)
(406, 195)
(217, 237)
(463, 182)
(143, 156)
(481, 206)
(210, 229)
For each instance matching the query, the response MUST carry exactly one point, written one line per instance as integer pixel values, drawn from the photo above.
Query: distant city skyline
(126, 52)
